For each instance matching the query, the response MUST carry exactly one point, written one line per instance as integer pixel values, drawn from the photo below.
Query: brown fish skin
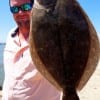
(60, 44)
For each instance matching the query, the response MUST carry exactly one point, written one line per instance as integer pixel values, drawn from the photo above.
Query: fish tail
(70, 95)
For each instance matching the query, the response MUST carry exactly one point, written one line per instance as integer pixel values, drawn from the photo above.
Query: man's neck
(23, 33)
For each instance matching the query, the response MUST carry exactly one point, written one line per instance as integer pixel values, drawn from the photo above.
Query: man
(22, 80)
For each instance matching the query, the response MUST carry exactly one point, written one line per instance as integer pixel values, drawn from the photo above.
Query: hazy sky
(91, 7)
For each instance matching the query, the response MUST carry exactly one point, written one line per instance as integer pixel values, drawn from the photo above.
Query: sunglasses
(24, 7)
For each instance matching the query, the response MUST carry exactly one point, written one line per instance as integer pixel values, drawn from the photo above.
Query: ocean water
(1, 64)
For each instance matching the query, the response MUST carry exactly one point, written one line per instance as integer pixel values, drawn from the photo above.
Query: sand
(91, 91)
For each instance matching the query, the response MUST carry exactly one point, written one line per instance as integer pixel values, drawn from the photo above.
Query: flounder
(63, 44)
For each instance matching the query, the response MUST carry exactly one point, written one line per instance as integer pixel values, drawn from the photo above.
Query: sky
(91, 8)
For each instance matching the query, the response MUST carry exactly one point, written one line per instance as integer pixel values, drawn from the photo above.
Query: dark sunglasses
(24, 7)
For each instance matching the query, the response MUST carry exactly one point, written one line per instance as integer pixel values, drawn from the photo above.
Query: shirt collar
(16, 39)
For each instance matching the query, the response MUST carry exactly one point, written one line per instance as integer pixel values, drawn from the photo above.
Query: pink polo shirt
(22, 80)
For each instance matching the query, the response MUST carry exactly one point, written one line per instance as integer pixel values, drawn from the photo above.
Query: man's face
(22, 18)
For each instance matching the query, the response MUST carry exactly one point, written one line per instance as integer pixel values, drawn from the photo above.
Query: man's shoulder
(9, 36)
(12, 31)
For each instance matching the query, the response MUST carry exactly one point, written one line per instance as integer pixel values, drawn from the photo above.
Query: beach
(91, 91)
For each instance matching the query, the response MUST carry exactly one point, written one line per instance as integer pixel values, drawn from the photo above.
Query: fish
(63, 44)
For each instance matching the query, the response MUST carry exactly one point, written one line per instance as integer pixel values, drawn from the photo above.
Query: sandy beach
(91, 91)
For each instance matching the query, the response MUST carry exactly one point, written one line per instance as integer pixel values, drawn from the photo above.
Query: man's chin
(23, 22)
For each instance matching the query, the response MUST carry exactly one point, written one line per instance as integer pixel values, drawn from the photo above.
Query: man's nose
(20, 11)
